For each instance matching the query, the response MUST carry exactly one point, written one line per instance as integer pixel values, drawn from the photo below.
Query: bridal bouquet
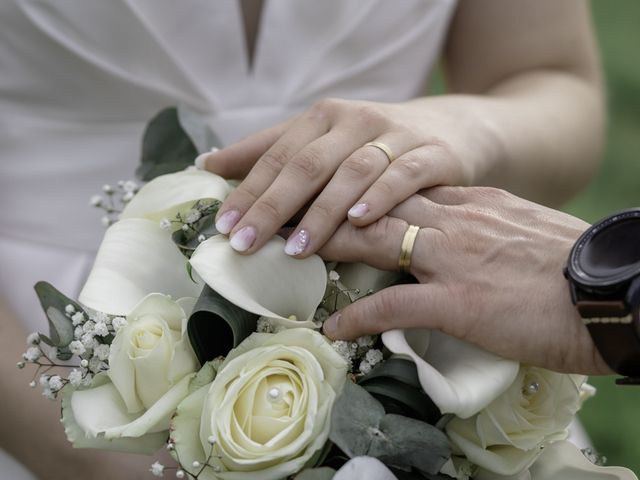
(178, 341)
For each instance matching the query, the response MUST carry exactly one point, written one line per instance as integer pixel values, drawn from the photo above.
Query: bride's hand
(323, 157)
(490, 267)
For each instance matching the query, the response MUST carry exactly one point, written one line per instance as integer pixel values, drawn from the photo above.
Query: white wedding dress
(79, 80)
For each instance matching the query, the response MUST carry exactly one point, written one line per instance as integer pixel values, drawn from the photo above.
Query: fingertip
(330, 326)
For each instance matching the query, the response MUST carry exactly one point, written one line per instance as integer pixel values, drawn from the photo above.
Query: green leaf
(395, 384)
(60, 326)
(322, 473)
(360, 427)
(217, 325)
(205, 375)
(166, 147)
(194, 124)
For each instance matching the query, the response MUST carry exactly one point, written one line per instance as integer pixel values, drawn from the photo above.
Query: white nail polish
(201, 161)
(297, 243)
(243, 239)
(358, 210)
(227, 221)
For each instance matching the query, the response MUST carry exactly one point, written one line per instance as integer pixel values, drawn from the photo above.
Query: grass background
(612, 417)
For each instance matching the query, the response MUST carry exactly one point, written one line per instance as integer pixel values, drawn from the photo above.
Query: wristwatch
(603, 271)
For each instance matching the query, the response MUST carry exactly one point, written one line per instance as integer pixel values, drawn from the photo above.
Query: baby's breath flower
(201, 238)
(130, 186)
(77, 318)
(373, 357)
(180, 474)
(107, 188)
(101, 329)
(32, 354)
(88, 341)
(165, 224)
(106, 221)
(84, 363)
(78, 332)
(264, 325)
(77, 348)
(118, 323)
(101, 351)
(334, 276)
(366, 341)
(69, 309)
(96, 365)
(157, 469)
(75, 377)
(48, 393)
(32, 384)
(55, 383)
(100, 317)
(343, 349)
(44, 380)
(365, 367)
(96, 201)
(33, 338)
(128, 196)
(89, 326)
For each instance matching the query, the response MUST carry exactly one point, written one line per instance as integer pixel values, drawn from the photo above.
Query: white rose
(268, 410)
(509, 434)
(150, 364)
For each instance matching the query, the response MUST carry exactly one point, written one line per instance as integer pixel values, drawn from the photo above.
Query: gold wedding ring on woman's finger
(406, 249)
(384, 148)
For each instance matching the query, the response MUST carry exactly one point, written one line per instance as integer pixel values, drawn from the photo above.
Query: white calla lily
(268, 283)
(136, 257)
(459, 377)
(166, 195)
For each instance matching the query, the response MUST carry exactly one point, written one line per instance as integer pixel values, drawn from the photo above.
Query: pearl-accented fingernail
(330, 325)
(297, 243)
(201, 160)
(358, 210)
(227, 221)
(243, 239)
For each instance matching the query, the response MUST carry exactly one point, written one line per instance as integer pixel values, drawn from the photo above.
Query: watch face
(608, 254)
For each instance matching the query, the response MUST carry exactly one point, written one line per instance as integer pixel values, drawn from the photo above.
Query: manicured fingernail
(330, 325)
(227, 221)
(243, 239)
(297, 243)
(201, 160)
(358, 210)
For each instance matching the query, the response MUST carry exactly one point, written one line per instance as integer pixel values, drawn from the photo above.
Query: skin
(490, 272)
(524, 112)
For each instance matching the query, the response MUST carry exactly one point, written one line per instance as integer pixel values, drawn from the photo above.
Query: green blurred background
(612, 417)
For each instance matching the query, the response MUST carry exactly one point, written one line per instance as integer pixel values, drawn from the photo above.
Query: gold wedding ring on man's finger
(406, 249)
(384, 148)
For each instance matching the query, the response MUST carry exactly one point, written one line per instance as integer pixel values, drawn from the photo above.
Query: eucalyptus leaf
(205, 375)
(360, 427)
(407, 441)
(217, 325)
(322, 473)
(198, 130)
(188, 240)
(60, 326)
(166, 147)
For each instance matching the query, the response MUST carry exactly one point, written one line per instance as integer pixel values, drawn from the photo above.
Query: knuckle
(323, 210)
(275, 158)
(268, 209)
(410, 167)
(383, 189)
(370, 117)
(357, 166)
(325, 106)
(308, 164)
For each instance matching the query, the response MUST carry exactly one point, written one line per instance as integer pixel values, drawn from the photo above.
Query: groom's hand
(490, 271)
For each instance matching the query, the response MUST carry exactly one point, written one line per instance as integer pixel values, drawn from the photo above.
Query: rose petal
(459, 377)
(136, 258)
(143, 444)
(564, 460)
(166, 195)
(268, 283)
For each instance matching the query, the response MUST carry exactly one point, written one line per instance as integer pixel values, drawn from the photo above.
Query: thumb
(236, 160)
(400, 306)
